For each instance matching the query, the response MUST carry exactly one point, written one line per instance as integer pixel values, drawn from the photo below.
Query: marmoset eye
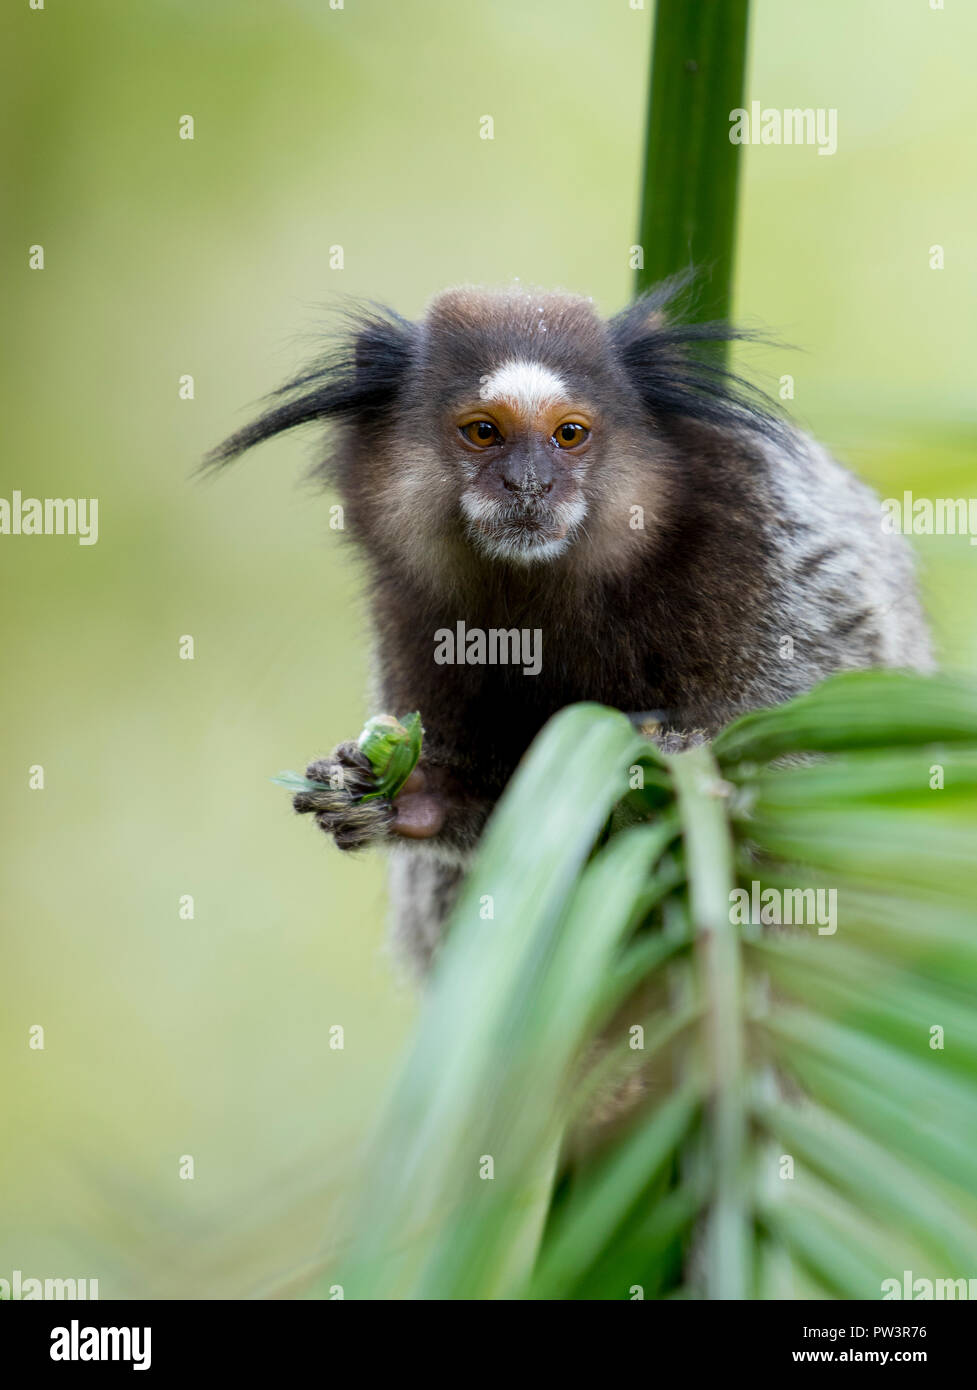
(481, 433)
(570, 434)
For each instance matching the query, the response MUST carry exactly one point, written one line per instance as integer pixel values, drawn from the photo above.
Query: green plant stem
(702, 798)
(688, 203)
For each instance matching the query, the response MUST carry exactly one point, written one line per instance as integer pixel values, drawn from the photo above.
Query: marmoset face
(523, 388)
(522, 451)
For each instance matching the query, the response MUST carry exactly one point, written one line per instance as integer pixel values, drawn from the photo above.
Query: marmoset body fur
(514, 461)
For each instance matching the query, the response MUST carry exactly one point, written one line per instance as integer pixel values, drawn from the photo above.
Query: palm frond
(620, 1087)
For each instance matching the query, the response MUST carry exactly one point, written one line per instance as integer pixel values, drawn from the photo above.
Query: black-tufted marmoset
(517, 463)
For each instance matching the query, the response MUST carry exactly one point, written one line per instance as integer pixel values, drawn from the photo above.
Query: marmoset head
(517, 398)
(520, 426)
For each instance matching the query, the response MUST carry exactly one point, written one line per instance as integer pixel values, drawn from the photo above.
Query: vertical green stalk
(709, 869)
(688, 204)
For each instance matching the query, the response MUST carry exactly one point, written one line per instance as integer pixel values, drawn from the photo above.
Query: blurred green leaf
(634, 1063)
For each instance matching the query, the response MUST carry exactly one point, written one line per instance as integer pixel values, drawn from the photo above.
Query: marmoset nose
(528, 475)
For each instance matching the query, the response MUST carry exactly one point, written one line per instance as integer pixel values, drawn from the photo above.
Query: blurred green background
(358, 127)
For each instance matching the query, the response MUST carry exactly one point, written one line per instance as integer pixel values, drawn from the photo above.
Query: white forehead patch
(526, 387)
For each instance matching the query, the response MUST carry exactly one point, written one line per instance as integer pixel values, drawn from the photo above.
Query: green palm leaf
(789, 1124)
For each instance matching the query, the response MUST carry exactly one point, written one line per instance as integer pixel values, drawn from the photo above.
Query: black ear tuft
(674, 371)
(359, 380)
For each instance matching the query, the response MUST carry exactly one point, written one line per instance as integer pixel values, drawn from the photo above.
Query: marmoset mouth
(531, 521)
(521, 527)
(536, 536)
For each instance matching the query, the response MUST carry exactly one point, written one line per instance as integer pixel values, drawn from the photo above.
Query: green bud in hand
(392, 748)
